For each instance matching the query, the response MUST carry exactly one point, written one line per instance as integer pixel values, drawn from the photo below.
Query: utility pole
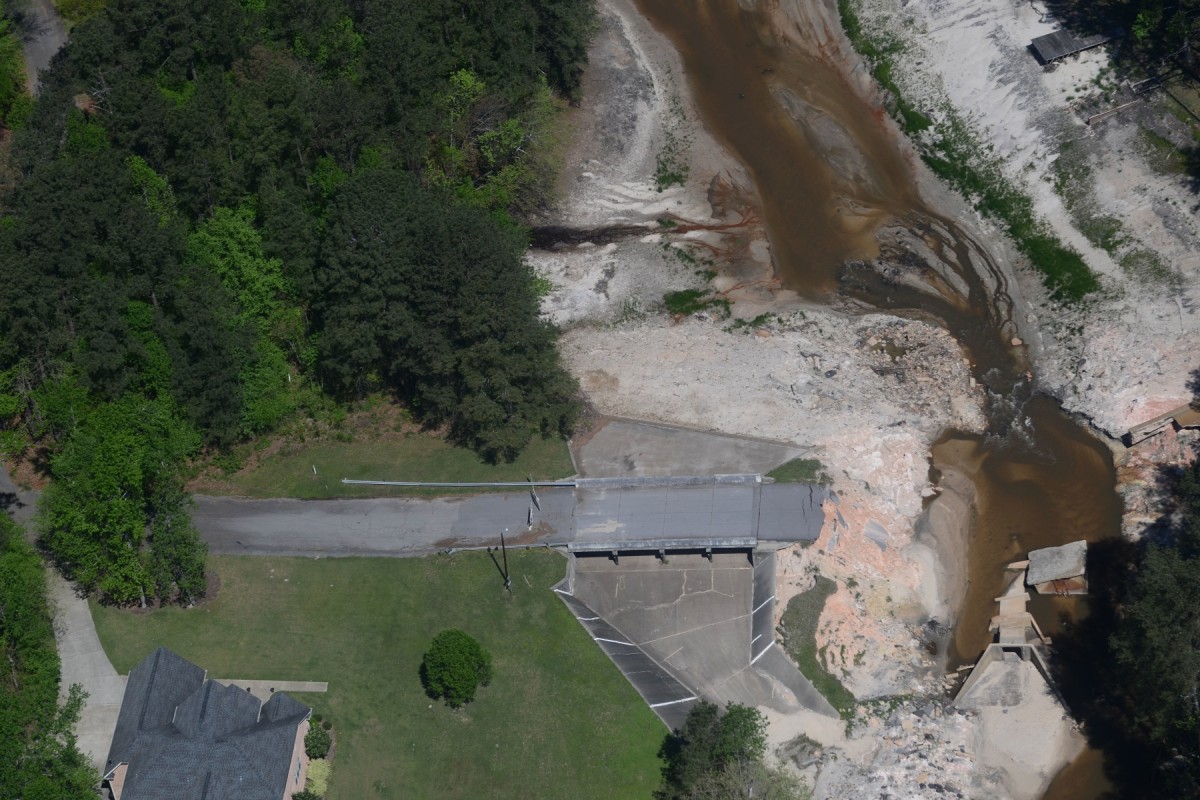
(504, 552)
(502, 570)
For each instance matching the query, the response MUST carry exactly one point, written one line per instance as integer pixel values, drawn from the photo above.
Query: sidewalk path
(85, 662)
(41, 47)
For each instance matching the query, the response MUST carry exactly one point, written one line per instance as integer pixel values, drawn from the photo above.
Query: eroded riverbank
(797, 143)
(1040, 480)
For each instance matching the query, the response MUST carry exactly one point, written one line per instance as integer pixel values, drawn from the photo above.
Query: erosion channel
(831, 174)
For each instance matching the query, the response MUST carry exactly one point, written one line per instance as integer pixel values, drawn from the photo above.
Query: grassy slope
(558, 720)
(411, 457)
(799, 624)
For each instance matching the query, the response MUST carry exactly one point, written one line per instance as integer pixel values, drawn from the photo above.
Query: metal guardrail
(568, 484)
(580, 483)
(665, 543)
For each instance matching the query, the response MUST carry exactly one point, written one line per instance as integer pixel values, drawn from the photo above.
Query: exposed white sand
(1130, 352)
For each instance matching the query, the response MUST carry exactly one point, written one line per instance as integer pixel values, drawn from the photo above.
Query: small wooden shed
(1063, 43)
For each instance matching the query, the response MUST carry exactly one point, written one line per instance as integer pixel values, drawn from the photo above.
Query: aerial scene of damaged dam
(700, 400)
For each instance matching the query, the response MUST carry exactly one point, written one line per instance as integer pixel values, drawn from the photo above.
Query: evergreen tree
(431, 299)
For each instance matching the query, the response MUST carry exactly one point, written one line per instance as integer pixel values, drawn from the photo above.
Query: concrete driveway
(50, 34)
(84, 662)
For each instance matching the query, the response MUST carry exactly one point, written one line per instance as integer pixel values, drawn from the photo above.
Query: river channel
(829, 173)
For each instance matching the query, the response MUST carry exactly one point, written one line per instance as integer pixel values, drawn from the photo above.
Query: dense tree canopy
(37, 746)
(1156, 649)
(1132, 669)
(170, 226)
(1156, 33)
(426, 296)
(116, 517)
(225, 213)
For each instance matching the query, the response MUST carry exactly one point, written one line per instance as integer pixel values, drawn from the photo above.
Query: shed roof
(1061, 43)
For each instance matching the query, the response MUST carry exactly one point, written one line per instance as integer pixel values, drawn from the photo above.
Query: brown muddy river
(828, 173)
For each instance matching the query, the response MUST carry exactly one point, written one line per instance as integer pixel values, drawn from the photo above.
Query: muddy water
(829, 174)
(1047, 482)
(1082, 778)
(737, 67)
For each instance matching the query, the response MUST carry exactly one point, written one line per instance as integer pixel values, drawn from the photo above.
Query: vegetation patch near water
(671, 164)
(950, 149)
(691, 301)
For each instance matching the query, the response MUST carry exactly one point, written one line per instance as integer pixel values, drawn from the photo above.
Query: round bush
(455, 666)
(317, 742)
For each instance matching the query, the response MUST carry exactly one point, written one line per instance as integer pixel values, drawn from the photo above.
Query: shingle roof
(156, 686)
(185, 738)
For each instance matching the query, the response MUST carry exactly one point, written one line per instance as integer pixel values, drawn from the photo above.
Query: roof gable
(155, 688)
(187, 738)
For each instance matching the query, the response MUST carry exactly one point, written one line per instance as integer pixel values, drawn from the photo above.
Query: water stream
(829, 174)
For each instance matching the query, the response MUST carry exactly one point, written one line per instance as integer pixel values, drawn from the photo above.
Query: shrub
(317, 742)
(318, 777)
(455, 666)
(307, 794)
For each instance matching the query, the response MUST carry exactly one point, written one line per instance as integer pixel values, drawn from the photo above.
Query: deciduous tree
(455, 666)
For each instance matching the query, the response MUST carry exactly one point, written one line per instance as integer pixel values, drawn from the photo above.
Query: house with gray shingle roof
(181, 736)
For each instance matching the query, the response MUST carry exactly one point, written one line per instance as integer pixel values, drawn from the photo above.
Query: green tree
(454, 667)
(37, 743)
(433, 300)
(711, 740)
(12, 73)
(115, 516)
(749, 779)
(1156, 651)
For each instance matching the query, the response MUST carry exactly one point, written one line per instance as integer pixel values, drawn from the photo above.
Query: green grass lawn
(409, 457)
(557, 721)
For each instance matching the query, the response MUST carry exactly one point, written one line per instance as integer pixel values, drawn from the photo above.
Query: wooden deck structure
(1062, 43)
